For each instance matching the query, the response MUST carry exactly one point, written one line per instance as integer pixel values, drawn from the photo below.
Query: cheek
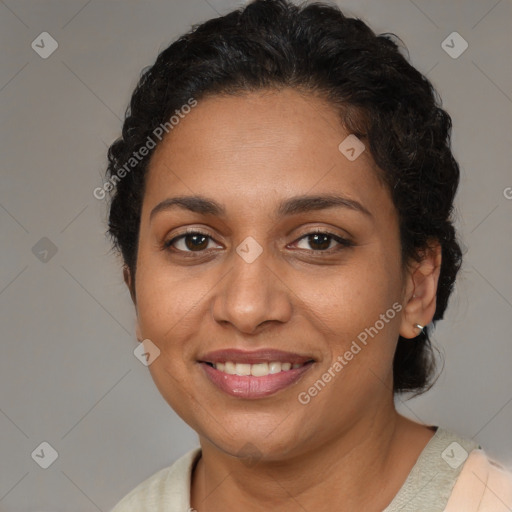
(176, 388)
(165, 308)
(361, 306)
(164, 296)
(355, 295)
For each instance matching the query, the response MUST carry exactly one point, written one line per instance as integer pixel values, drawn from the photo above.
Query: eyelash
(343, 242)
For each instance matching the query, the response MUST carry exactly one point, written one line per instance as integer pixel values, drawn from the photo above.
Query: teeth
(230, 368)
(256, 370)
(243, 369)
(274, 367)
(259, 370)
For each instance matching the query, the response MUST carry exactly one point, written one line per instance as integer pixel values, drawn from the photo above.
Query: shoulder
(165, 491)
(454, 474)
(484, 485)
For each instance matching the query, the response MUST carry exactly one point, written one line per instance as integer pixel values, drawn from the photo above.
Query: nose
(252, 294)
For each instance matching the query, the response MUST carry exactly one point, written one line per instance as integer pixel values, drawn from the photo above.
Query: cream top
(447, 460)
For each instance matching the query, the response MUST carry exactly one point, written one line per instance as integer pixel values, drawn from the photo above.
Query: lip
(250, 387)
(254, 357)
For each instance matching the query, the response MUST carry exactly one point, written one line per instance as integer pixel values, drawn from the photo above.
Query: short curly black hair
(381, 98)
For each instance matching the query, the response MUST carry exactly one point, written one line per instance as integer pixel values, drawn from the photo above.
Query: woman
(283, 195)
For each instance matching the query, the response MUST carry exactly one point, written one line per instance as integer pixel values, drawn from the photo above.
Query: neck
(363, 469)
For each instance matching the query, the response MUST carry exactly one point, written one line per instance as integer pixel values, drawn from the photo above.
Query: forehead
(252, 148)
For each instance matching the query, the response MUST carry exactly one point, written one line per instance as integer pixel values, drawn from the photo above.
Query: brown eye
(320, 241)
(193, 241)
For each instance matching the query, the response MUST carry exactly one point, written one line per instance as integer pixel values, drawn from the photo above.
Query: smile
(255, 374)
(256, 370)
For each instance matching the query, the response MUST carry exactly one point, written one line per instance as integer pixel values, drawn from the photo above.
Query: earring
(420, 327)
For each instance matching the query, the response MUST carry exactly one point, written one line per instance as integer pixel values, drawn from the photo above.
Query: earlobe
(421, 292)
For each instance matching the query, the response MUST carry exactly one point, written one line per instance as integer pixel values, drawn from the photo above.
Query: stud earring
(420, 327)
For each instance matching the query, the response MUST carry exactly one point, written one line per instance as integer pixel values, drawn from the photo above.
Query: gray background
(68, 375)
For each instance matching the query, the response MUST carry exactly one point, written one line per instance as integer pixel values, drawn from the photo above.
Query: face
(271, 278)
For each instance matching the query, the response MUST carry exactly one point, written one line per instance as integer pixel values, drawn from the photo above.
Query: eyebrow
(292, 206)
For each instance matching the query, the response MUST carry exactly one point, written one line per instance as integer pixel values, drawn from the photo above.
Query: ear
(421, 290)
(127, 276)
(138, 332)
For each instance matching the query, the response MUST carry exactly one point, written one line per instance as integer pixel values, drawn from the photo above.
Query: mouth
(253, 375)
(255, 370)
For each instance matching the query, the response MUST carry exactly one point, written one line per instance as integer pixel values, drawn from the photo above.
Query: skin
(348, 445)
